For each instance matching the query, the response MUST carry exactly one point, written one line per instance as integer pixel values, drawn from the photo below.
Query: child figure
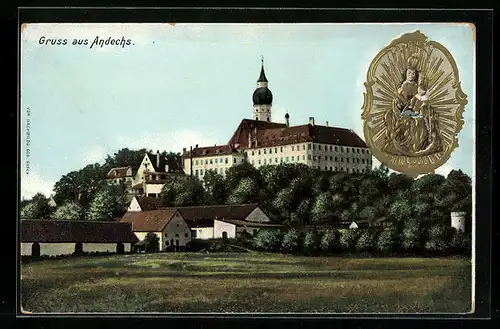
(417, 106)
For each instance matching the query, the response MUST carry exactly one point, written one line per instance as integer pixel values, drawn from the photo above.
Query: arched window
(78, 248)
(224, 235)
(35, 249)
(120, 248)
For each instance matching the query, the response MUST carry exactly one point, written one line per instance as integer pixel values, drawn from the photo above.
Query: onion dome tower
(262, 98)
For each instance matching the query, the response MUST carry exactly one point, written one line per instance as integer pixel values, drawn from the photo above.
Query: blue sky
(187, 84)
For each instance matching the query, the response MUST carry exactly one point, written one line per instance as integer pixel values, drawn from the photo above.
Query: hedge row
(29, 258)
(437, 240)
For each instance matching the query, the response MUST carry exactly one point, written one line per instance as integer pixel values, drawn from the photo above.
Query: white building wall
(176, 229)
(104, 247)
(152, 189)
(56, 249)
(219, 163)
(458, 221)
(134, 205)
(257, 215)
(220, 227)
(204, 233)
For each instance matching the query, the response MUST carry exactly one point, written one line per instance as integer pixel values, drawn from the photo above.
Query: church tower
(262, 98)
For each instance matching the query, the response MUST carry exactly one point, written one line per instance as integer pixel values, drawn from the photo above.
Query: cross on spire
(262, 59)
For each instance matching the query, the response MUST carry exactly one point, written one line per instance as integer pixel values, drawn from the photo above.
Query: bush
(328, 241)
(268, 239)
(461, 242)
(291, 241)
(311, 242)
(348, 239)
(411, 235)
(386, 241)
(365, 241)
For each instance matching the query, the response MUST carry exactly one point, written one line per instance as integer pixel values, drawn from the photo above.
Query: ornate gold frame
(412, 167)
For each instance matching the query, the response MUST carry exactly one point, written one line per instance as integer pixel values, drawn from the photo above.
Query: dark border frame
(483, 20)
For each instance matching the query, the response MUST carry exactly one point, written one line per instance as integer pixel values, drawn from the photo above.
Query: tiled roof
(173, 165)
(245, 223)
(138, 185)
(148, 221)
(76, 231)
(193, 213)
(148, 203)
(211, 151)
(240, 136)
(309, 133)
(121, 172)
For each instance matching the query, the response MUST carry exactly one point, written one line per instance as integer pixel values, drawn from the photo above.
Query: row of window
(216, 161)
(314, 158)
(177, 234)
(320, 147)
(220, 171)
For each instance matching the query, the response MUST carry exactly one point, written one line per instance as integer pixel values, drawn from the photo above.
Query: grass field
(246, 282)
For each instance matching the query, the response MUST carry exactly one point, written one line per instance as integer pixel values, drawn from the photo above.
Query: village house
(153, 172)
(167, 224)
(225, 221)
(260, 142)
(57, 237)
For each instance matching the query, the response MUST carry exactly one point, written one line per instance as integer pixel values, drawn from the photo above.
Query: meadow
(246, 282)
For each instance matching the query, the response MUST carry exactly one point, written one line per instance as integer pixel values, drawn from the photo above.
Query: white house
(168, 225)
(55, 237)
(218, 221)
(153, 172)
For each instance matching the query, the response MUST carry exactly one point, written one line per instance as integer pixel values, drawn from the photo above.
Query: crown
(413, 62)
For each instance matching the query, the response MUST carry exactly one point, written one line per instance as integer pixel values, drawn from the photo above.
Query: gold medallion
(413, 105)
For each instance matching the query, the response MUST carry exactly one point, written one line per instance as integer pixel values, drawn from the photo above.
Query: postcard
(247, 168)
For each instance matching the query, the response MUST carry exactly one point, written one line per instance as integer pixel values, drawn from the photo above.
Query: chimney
(311, 121)
(327, 123)
(183, 150)
(196, 146)
(157, 158)
(287, 121)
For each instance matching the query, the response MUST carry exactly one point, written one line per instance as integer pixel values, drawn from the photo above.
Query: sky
(179, 85)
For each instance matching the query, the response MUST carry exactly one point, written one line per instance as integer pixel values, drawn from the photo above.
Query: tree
(69, 211)
(311, 242)
(365, 241)
(215, 187)
(328, 241)
(80, 185)
(29, 211)
(437, 238)
(322, 209)
(386, 241)
(103, 206)
(291, 241)
(399, 210)
(410, 237)
(36, 208)
(245, 192)
(348, 239)
(151, 243)
(398, 181)
(185, 193)
(237, 173)
(125, 157)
